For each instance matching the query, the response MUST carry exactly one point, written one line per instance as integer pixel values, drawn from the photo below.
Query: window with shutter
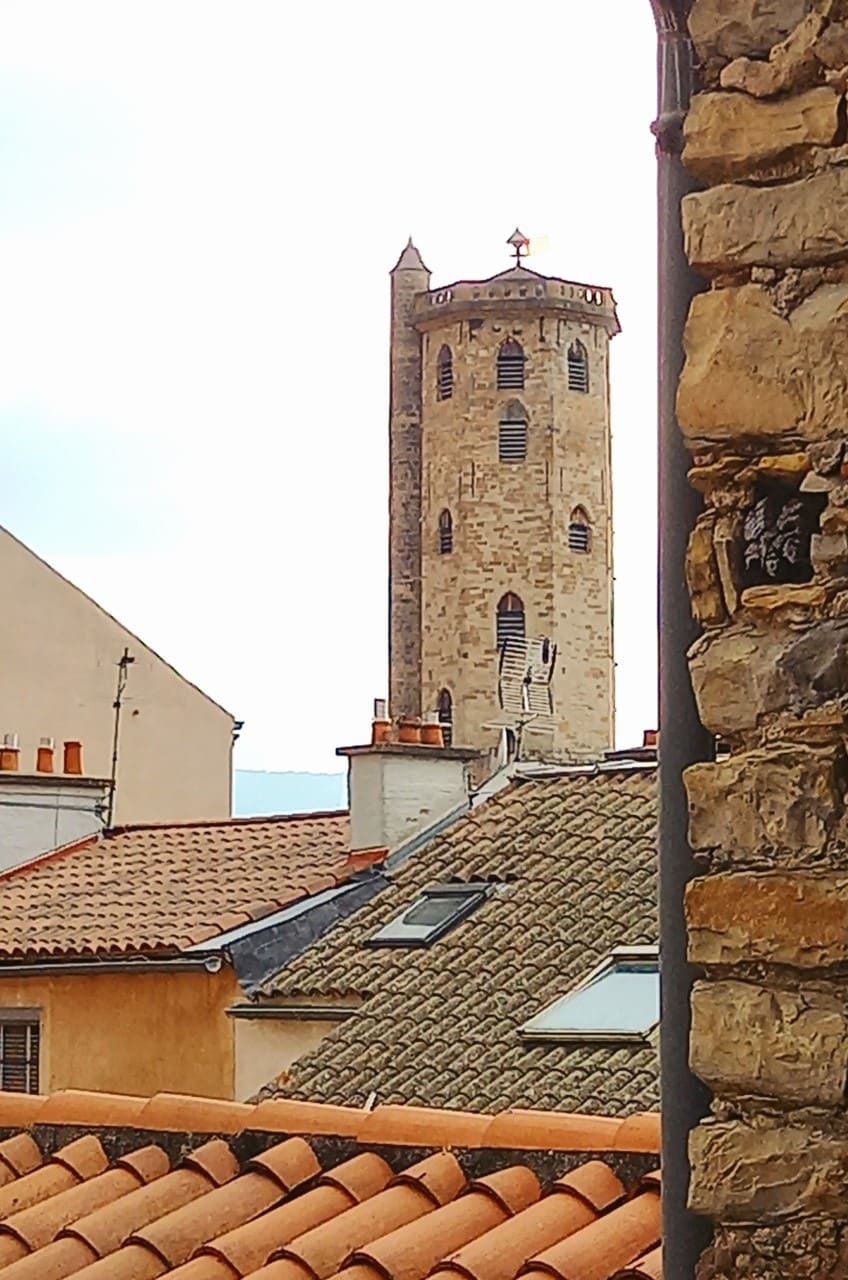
(511, 360)
(444, 374)
(579, 532)
(510, 619)
(445, 710)
(445, 533)
(19, 1049)
(578, 368)
(512, 433)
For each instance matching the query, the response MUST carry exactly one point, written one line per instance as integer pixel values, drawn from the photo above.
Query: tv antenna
(124, 664)
(525, 675)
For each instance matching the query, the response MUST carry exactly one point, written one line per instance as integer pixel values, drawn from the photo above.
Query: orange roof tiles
(390, 1125)
(301, 1207)
(150, 889)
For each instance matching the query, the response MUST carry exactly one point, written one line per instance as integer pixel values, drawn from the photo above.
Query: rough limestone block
(729, 134)
(804, 1249)
(799, 919)
(747, 1039)
(753, 375)
(742, 1174)
(702, 576)
(743, 673)
(762, 805)
(797, 224)
(793, 64)
(725, 29)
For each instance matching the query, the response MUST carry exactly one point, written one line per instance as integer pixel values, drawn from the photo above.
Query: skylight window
(619, 1001)
(432, 915)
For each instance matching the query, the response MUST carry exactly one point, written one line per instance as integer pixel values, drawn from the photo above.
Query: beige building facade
(59, 654)
(501, 498)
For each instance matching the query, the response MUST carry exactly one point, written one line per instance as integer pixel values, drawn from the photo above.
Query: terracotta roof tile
(177, 1113)
(291, 1211)
(77, 1106)
(249, 1246)
(81, 1159)
(163, 888)
(264, 1183)
(439, 1026)
(648, 1268)
(18, 1155)
(600, 1249)
(411, 1251)
(31, 1229)
(410, 1126)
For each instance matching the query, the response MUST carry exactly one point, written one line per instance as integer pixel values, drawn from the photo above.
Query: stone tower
(500, 498)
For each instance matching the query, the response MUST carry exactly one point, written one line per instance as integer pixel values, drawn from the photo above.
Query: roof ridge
(254, 819)
(514, 1129)
(52, 855)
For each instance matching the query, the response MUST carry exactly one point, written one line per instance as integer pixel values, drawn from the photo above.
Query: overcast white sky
(199, 205)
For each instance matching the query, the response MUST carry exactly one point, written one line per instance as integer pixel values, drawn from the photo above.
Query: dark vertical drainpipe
(682, 738)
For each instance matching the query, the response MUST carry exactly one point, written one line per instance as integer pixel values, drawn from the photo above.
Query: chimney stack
(431, 731)
(401, 784)
(381, 726)
(72, 758)
(44, 756)
(10, 753)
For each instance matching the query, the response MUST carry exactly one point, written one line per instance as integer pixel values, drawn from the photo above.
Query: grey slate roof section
(577, 860)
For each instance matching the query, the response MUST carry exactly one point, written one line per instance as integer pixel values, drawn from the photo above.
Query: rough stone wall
(762, 403)
(510, 524)
(409, 278)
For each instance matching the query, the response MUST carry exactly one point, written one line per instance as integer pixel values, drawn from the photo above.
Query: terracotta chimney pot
(44, 756)
(409, 730)
(10, 753)
(431, 734)
(72, 761)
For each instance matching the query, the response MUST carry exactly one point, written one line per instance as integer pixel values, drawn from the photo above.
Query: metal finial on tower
(520, 245)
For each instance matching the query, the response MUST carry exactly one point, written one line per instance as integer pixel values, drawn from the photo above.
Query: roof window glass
(619, 1001)
(433, 914)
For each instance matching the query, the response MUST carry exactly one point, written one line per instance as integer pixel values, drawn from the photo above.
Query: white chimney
(399, 785)
(41, 810)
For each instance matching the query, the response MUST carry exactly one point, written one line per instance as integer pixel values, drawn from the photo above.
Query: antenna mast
(124, 664)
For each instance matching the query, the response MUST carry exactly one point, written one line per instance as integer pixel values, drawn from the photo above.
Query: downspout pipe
(683, 740)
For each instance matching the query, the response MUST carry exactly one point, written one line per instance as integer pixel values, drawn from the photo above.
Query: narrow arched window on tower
(579, 532)
(445, 710)
(512, 433)
(511, 361)
(510, 619)
(578, 368)
(445, 533)
(444, 374)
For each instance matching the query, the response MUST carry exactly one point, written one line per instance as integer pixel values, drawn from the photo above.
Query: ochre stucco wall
(57, 679)
(134, 1033)
(267, 1048)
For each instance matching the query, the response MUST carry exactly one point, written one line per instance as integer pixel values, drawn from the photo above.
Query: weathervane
(520, 245)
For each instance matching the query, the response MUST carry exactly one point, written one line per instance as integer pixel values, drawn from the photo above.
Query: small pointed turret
(410, 259)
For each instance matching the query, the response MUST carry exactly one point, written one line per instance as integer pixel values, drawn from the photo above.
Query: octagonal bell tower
(501, 498)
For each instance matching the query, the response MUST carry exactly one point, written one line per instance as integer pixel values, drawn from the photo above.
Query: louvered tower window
(578, 368)
(511, 360)
(510, 620)
(445, 533)
(445, 710)
(19, 1047)
(512, 433)
(579, 532)
(444, 374)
